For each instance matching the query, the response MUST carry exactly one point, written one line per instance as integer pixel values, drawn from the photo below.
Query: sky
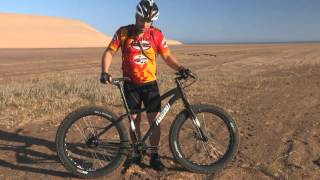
(192, 21)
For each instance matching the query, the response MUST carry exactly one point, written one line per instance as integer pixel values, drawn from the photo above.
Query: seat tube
(132, 125)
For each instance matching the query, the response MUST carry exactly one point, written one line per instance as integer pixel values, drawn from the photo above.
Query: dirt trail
(272, 91)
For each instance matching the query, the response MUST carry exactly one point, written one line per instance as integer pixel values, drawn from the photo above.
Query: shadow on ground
(26, 158)
(28, 154)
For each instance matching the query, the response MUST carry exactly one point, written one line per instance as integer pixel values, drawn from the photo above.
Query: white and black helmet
(148, 10)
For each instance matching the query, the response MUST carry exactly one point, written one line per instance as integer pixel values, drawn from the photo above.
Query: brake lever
(194, 76)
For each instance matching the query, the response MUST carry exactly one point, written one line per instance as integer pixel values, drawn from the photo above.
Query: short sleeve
(162, 44)
(115, 42)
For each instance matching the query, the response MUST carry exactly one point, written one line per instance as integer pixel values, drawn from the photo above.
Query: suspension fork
(194, 117)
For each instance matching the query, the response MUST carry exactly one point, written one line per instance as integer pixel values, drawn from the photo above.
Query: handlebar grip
(116, 81)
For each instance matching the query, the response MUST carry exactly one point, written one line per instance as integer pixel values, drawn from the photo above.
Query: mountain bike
(93, 141)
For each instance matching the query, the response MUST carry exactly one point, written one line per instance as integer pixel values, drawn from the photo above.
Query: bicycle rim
(86, 149)
(204, 153)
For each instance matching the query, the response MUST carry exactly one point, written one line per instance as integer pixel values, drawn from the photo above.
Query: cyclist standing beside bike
(140, 44)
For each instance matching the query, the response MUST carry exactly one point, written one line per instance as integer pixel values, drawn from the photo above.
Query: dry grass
(50, 99)
(47, 100)
(43, 100)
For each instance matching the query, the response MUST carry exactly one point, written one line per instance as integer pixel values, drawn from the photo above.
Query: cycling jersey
(139, 53)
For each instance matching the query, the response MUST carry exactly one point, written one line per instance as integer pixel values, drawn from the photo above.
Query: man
(140, 44)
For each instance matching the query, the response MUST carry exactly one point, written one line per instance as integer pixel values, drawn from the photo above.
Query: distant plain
(271, 90)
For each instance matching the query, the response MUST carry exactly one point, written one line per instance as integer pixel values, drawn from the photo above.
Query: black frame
(177, 93)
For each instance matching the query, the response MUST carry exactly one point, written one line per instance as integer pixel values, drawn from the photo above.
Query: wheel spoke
(81, 133)
(197, 151)
(85, 149)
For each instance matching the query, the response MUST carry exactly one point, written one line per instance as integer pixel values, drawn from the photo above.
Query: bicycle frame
(176, 94)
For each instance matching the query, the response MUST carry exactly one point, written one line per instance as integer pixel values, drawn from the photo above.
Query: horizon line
(251, 42)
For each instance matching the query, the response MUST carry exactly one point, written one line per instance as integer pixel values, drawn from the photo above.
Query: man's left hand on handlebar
(184, 72)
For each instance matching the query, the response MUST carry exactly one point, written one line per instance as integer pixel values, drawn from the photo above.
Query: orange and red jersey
(139, 65)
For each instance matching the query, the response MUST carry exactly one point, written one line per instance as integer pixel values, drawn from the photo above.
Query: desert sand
(271, 90)
(31, 31)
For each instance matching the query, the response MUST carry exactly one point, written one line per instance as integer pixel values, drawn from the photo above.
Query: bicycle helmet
(148, 10)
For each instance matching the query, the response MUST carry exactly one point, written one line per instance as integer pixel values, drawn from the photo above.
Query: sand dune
(174, 42)
(30, 31)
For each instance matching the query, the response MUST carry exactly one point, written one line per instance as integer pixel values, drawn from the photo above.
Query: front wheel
(91, 142)
(199, 155)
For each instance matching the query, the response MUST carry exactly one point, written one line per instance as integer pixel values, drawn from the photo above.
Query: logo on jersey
(144, 44)
(164, 43)
(140, 59)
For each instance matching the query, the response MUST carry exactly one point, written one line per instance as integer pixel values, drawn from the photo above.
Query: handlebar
(117, 81)
(185, 76)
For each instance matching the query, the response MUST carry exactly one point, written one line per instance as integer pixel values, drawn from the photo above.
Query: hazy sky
(193, 21)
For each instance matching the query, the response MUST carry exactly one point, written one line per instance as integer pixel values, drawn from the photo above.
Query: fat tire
(67, 123)
(227, 157)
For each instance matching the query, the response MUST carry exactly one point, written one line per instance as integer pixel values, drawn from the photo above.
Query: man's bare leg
(136, 158)
(155, 137)
(155, 161)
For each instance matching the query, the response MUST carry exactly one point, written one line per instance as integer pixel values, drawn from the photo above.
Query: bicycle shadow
(26, 158)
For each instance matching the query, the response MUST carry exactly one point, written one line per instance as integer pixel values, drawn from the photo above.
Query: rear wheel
(91, 142)
(196, 154)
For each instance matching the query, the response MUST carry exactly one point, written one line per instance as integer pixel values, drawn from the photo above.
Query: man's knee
(136, 117)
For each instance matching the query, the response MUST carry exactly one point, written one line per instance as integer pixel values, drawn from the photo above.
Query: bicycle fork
(194, 117)
(197, 125)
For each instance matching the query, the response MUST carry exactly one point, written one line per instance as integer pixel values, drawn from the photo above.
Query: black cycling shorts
(147, 93)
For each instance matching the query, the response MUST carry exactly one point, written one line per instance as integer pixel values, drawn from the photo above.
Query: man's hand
(105, 78)
(184, 72)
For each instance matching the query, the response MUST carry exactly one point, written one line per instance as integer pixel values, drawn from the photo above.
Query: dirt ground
(271, 90)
